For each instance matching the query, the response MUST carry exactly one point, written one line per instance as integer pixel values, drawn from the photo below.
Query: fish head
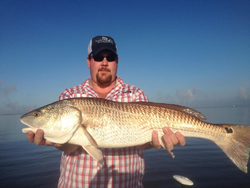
(58, 120)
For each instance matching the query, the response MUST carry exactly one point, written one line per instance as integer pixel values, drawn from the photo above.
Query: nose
(104, 62)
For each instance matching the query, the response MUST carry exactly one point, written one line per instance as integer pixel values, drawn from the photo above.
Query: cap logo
(100, 43)
(104, 40)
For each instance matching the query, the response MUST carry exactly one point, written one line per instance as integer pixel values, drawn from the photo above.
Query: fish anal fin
(163, 145)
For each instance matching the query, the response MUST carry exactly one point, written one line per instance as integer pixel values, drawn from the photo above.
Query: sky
(190, 52)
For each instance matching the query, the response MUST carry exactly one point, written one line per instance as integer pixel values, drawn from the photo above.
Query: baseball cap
(100, 43)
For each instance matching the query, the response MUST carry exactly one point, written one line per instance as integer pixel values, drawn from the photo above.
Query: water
(23, 164)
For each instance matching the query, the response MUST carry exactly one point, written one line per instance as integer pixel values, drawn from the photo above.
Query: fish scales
(115, 122)
(98, 123)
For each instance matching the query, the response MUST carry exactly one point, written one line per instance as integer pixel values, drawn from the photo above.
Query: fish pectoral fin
(89, 137)
(88, 143)
(163, 145)
(95, 152)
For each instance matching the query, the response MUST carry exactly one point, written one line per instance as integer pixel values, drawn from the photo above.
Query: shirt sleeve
(141, 96)
(65, 95)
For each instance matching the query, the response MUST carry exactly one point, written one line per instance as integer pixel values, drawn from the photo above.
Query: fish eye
(36, 114)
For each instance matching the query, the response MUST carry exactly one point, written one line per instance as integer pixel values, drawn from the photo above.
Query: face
(103, 72)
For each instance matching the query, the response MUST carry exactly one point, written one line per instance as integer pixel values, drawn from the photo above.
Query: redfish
(95, 123)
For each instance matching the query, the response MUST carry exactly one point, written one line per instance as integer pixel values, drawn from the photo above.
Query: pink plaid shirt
(124, 167)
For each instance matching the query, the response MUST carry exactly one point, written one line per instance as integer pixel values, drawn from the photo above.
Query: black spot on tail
(229, 130)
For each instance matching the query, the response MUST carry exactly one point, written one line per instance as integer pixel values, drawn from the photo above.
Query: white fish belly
(120, 137)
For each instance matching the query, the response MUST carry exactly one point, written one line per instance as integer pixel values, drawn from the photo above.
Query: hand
(170, 139)
(38, 139)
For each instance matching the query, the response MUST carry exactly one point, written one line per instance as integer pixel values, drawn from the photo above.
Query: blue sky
(194, 53)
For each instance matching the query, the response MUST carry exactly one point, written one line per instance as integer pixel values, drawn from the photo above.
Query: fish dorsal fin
(184, 109)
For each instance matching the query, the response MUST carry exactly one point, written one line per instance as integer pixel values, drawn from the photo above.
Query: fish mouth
(28, 128)
(24, 122)
(21, 119)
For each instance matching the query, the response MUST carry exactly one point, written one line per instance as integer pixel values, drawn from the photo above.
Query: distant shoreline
(9, 114)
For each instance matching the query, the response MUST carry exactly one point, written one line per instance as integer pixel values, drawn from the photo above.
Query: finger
(30, 136)
(39, 137)
(181, 139)
(155, 140)
(172, 136)
(167, 142)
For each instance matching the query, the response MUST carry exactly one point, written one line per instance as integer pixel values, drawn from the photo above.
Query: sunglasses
(110, 57)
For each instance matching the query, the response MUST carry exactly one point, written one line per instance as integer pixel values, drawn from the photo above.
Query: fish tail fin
(237, 145)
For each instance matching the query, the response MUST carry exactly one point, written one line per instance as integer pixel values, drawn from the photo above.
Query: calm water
(23, 164)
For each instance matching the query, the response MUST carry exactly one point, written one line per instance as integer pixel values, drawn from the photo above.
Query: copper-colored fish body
(98, 123)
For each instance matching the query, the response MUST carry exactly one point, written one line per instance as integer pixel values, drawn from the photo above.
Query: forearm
(144, 146)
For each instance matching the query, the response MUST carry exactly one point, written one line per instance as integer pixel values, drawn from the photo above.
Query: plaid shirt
(124, 167)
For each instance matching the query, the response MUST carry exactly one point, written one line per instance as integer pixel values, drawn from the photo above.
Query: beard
(104, 79)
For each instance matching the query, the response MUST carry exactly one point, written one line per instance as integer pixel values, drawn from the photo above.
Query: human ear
(88, 61)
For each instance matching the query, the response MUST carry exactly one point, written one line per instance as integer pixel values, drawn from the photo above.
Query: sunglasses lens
(109, 58)
(98, 57)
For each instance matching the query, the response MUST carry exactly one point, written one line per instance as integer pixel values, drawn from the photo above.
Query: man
(123, 167)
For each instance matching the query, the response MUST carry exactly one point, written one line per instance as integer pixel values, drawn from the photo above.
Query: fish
(95, 123)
